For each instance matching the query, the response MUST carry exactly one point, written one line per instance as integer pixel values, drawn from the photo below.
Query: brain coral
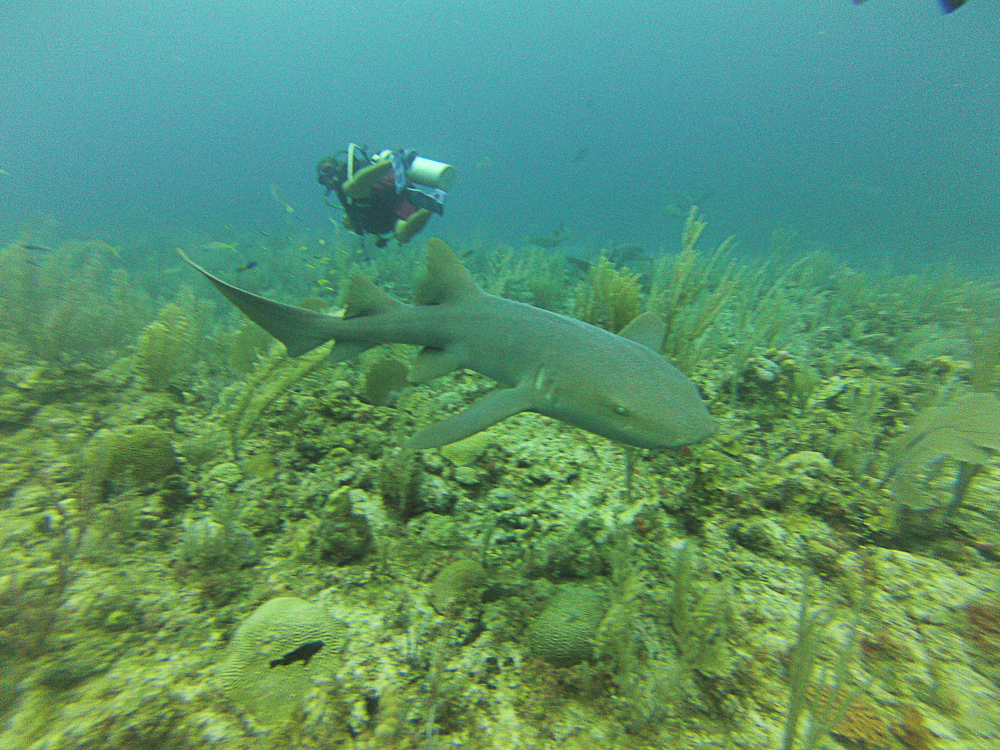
(265, 672)
(142, 452)
(455, 585)
(562, 633)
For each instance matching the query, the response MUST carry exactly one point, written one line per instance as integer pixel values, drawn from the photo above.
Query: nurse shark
(615, 385)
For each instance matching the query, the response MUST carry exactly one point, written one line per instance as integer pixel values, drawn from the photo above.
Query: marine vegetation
(209, 541)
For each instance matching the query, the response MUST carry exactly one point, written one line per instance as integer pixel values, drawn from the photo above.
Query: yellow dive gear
(406, 229)
(360, 185)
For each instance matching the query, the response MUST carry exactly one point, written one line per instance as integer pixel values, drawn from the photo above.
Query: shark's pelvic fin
(487, 411)
(300, 330)
(648, 329)
(446, 279)
(431, 363)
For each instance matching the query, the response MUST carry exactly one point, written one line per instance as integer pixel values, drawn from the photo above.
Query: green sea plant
(534, 275)
(689, 293)
(967, 429)
(248, 346)
(986, 361)
(274, 376)
(701, 618)
(610, 299)
(853, 447)
(384, 377)
(400, 475)
(165, 349)
(835, 698)
(69, 302)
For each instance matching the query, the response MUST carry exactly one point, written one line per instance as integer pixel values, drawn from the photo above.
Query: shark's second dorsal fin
(648, 329)
(364, 298)
(446, 279)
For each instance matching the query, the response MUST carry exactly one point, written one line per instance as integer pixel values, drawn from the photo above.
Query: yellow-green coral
(140, 453)
(254, 675)
(455, 585)
(611, 299)
(273, 377)
(563, 634)
(165, 347)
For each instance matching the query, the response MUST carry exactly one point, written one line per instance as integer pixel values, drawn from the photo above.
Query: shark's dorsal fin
(446, 279)
(648, 329)
(364, 298)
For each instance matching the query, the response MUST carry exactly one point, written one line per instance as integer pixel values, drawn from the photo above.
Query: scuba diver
(390, 194)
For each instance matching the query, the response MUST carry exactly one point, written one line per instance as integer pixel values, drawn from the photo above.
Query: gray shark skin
(616, 386)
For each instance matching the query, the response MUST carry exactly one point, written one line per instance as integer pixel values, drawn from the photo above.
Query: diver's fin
(487, 411)
(300, 330)
(361, 184)
(406, 229)
(447, 279)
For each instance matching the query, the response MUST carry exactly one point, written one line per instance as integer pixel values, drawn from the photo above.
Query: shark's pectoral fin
(487, 411)
(432, 363)
(300, 330)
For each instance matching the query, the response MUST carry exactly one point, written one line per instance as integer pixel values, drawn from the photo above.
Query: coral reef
(164, 471)
(564, 632)
(255, 674)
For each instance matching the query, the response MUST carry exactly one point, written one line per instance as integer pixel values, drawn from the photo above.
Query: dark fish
(247, 266)
(303, 653)
(581, 154)
(946, 5)
(556, 238)
(37, 248)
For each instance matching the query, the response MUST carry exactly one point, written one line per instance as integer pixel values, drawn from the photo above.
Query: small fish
(280, 197)
(219, 246)
(37, 248)
(303, 653)
(4, 172)
(247, 266)
(581, 154)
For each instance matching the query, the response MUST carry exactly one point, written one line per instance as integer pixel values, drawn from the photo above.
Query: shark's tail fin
(300, 330)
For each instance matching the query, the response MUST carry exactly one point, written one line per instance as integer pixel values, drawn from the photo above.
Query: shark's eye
(621, 411)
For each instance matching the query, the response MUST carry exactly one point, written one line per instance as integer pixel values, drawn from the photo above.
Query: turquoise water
(207, 543)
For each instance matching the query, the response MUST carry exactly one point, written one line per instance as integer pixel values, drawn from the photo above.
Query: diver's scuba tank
(424, 181)
(430, 173)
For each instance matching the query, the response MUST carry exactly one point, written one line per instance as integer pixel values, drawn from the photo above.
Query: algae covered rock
(455, 585)
(339, 534)
(563, 634)
(276, 654)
